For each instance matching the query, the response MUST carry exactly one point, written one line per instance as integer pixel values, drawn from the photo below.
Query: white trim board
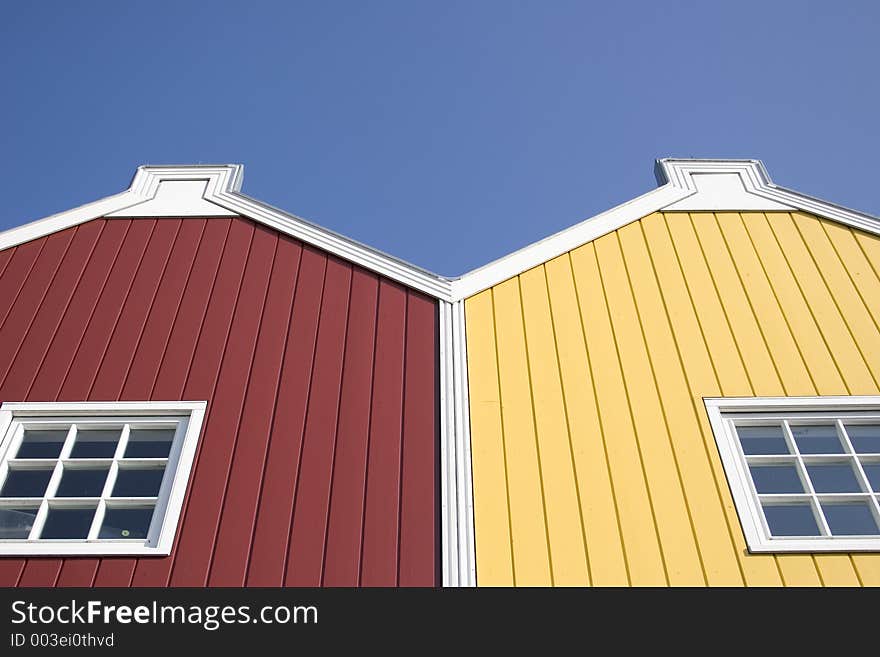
(456, 482)
(214, 191)
(685, 185)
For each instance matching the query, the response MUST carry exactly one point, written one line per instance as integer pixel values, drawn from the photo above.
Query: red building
(307, 450)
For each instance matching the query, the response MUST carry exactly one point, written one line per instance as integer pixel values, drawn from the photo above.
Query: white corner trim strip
(456, 496)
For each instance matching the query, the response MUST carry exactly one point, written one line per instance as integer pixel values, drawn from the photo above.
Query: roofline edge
(675, 177)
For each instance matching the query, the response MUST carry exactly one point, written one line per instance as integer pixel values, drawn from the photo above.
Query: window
(804, 471)
(94, 478)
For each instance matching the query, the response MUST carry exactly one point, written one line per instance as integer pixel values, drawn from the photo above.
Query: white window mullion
(851, 452)
(39, 520)
(863, 477)
(805, 479)
(55, 479)
(97, 521)
(68, 443)
(114, 465)
(123, 442)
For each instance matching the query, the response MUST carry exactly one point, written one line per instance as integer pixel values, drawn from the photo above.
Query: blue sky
(446, 133)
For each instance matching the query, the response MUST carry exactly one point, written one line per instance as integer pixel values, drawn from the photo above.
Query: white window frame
(722, 413)
(188, 417)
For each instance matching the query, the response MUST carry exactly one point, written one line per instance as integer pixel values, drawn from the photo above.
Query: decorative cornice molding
(181, 191)
(720, 185)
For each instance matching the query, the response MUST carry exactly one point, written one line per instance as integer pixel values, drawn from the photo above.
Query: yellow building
(684, 390)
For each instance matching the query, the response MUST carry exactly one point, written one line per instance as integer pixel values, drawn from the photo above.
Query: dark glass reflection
(42, 444)
(865, 438)
(833, 478)
(762, 440)
(138, 483)
(853, 518)
(817, 439)
(26, 483)
(82, 483)
(16, 523)
(791, 520)
(776, 479)
(126, 523)
(873, 472)
(149, 443)
(95, 443)
(68, 523)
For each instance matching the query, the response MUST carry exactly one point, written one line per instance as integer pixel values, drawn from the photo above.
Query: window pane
(817, 439)
(834, 478)
(791, 520)
(68, 523)
(16, 523)
(851, 518)
(95, 443)
(776, 479)
(873, 472)
(149, 443)
(138, 483)
(43, 444)
(126, 523)
(864, 437)
(762, 440)
(82, 483)
(26, 483)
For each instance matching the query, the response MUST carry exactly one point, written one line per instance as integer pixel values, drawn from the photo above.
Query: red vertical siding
(317, 459)
(382, 511)
(242, 491)
(269, 545)
(311, 499)
(417, 491)
(218, 247)
(342, 555)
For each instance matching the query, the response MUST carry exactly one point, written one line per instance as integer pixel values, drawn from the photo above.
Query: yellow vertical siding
(593, 458)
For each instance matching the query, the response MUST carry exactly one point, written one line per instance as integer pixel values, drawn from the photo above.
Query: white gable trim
(685, 185)
(382, 263)
(214, 190)
(177, 198)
